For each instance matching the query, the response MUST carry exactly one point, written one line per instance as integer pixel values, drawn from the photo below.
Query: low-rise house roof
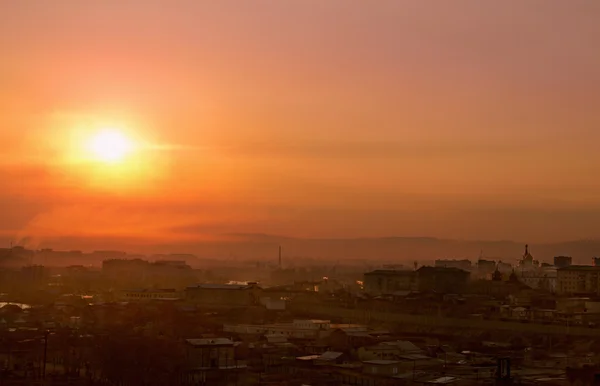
(380, 362)
(402, 345)
(330, 356)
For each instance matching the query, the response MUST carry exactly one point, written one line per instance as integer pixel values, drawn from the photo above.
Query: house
(380, 367)
(388, 350)
(210, 353)
(210, 360)
(347, 338)
(332, 358)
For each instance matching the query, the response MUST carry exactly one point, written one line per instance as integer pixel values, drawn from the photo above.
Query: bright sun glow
(110, 146)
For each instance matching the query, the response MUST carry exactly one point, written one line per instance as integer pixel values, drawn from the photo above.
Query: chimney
(280, 257)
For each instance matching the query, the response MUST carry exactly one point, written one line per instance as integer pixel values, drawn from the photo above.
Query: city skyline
(308, 119)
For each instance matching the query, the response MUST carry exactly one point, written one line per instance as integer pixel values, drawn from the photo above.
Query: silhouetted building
(52, 258)
(108, 255)
(34, 275)
(225, 295)
(485, 267)
(463, 264)
(443, 280)
(123, 272)
(596, 261)
(388, 282)
(562, 261)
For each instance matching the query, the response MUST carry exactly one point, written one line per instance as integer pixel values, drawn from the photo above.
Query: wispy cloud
(366, 149)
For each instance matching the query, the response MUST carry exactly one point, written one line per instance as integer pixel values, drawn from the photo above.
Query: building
(34, 275)
(149, 294)
(442, 280)
(596, 261)
(214, 353)
(224, 294)
(438, 279)
(388, 282)
(542, 278)
(212, 361)
(463, 264)
(504, 268)
(485, 267)
(578, 279)
(124, 273)
(298, 329)
(562, 261)
(121, 271)
(388, 350)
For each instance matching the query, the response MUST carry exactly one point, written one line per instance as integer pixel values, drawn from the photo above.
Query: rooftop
(146, 290)
(390, 272)
(380, 362)
(221, 286)
(313, 321)
(210, 342)
(402, 345)
(330, 356)
(580, 268)
(427, 268)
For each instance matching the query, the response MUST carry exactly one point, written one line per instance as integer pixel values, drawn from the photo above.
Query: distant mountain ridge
(403, 250)
(395, 249)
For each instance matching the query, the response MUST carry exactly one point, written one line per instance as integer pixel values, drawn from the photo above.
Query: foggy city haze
(333, 119)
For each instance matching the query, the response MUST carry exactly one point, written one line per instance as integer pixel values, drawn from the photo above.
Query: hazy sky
(467, 119)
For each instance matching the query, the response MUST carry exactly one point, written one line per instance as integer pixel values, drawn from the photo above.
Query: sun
(110, 146)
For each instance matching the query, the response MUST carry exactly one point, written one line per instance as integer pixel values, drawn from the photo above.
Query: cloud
(366, 149)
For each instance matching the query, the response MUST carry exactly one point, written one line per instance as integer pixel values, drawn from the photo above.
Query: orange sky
(338, 118)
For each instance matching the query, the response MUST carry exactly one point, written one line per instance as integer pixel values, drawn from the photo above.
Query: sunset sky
(309, 118)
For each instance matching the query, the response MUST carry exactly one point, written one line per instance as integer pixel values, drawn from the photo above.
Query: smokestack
(280, 257)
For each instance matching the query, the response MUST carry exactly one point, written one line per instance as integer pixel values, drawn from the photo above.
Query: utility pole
(45, 354)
